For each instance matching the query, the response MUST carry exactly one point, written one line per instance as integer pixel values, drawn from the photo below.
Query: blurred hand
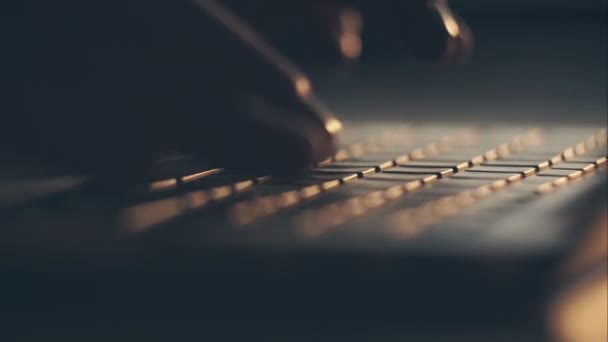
(105, 87)
(108, 85)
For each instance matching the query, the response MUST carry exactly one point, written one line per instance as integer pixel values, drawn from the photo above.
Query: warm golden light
(350, 45)
(499, 184)
(287, 199)
(199, 175)
(341, 155)
(394, 192)
(556, 159)
(568, 153)
(491, 155)
(197, 199)
(350, 33)
(580, 148)
(560, 181)
(310, 191)
(303, 86)
(243, 185)
(581, 314)
(544, 165)
(452, 26)
(356, 150)
(333, 125)
(412, 185)
(140, 217)
(588, 168)
(450, 23)
(330, 184)
(374, 199)
(221, 192)
(165, 184)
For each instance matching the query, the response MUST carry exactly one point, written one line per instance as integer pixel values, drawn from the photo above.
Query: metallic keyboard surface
(391, 187)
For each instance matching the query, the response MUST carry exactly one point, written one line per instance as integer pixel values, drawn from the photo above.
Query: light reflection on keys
(334, 214)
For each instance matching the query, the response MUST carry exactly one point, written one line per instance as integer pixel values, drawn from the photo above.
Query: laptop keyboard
(426, 186)
(397, 182)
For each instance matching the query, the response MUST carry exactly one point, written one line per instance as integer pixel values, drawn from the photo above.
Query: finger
(320, 32)
(427, 29)
(431, 30)
(261, 112)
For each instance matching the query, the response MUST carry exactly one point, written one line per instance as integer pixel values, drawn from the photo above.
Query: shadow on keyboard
(408, 182)
(402, 220)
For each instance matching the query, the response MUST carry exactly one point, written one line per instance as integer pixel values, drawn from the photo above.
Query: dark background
(540, 61)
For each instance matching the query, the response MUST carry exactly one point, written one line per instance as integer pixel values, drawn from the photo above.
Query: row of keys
(398, 135)
(570, 174)
(492, 220)
(402, 180)
(216, 185)
(412, 221)
(248, 211)
(363, 173)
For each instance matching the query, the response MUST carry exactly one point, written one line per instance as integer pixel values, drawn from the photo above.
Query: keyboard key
(439, 172)
(402, 177)
(525, 171)
(517, 163)
(325, 176)
(163, 185)
(435, 164)
(333, 169)
(554, 172)
(198, 175)
(378, 165)
(570, 166)
(464, 183)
